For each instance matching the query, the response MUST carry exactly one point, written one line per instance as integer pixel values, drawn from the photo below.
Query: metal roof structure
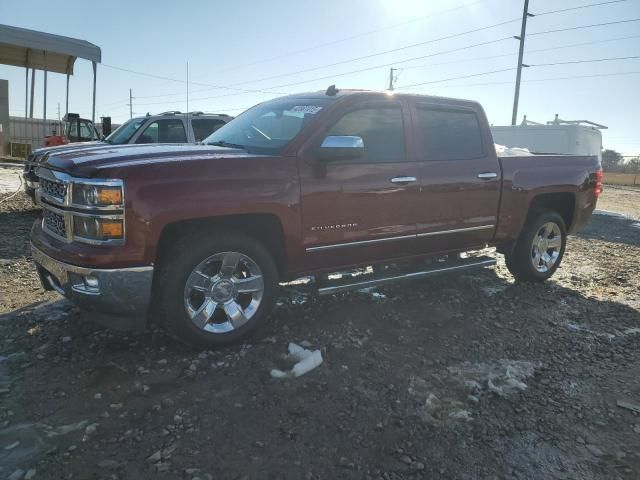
(35, 50)
(27, 48)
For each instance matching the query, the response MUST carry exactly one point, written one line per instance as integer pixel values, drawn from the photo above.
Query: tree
(611, 160)
(633, 165)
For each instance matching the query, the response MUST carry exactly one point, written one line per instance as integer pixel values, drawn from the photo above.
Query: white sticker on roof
(312, 109)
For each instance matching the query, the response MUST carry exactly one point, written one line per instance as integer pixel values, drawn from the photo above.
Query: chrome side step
(377, 280)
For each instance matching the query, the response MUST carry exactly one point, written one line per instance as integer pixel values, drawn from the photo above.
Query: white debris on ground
(609, 336)
(305, 361)
(609, 213)
(503, 377)
(371, 291)
(492, 290)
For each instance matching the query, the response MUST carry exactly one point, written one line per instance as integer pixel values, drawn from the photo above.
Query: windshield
(124, 132)
(268, 128)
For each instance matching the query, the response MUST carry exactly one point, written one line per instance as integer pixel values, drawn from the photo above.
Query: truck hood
(87, 162)
(41, 152)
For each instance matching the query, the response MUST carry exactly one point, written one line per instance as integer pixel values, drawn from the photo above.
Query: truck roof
(340, 93)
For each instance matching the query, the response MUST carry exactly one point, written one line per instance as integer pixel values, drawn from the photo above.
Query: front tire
(217, 290)
(539, 249)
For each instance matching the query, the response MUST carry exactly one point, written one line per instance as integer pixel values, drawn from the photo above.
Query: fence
(617, 178)
(26, 134)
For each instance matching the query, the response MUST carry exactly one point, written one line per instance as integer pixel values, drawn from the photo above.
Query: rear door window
(447, 134)
(203, 127)
(381, 129)
(164, 131)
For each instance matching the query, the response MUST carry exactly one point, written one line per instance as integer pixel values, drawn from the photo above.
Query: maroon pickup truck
(392, 187)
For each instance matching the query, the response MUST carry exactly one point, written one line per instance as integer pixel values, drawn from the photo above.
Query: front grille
(54, 223)
(53, 189)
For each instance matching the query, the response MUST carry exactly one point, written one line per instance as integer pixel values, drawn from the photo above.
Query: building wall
(4, 115)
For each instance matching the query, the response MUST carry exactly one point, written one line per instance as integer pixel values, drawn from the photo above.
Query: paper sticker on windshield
(311, 109)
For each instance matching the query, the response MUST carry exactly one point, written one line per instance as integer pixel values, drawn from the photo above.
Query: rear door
(459, 175)
(203, 127)
(169, 130)
(361, 210)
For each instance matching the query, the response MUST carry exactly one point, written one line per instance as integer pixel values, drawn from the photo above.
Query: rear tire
(218, 289)
(539, 249)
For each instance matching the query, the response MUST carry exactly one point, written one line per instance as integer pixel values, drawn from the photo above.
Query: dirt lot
(464, 377)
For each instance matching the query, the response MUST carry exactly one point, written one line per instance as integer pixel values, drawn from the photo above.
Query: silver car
(167, 127)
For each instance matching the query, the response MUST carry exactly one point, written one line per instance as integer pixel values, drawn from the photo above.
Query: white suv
(167, 127)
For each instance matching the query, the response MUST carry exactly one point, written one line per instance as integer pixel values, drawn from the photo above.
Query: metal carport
(33, 50)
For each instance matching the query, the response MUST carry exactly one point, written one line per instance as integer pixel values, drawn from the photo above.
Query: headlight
(96, 195)
(98, 228)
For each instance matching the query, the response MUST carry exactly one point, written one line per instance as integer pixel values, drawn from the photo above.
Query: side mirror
(341, 147)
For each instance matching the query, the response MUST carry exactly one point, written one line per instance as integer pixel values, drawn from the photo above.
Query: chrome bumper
(120, 292)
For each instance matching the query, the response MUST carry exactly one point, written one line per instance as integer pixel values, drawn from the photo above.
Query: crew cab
(167, 127)
(394, 187)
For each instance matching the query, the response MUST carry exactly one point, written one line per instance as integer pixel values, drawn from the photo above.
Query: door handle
(403, 179)
(487, 175)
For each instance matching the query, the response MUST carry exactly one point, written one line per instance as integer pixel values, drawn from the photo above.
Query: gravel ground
(469, 376)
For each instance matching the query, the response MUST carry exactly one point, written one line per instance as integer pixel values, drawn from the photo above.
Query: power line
(439, 53)
(160, 77)
(579, 7)
(584, 61)
(352, 37)
(385, 65)
(534, 80)
(585, 26)
(508, 69)
(242, 90)
(457, 78)
(410, 59)
(386, 51)
(557, 47)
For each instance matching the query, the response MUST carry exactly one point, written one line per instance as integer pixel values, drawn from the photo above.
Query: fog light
(86, 284)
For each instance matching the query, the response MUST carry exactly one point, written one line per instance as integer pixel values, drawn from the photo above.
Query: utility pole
(58, 111)
(391, 70)
(130, 105)
(523, 32)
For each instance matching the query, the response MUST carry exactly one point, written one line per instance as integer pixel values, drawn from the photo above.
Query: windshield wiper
(222, 143)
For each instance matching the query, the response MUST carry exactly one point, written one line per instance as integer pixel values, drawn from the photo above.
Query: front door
(460, 177)
(360, 210)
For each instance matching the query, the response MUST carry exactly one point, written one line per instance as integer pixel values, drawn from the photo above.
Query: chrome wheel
(546, 246)
(223, 292)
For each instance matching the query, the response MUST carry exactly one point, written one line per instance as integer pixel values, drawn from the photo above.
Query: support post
(44, 105)
(26, 92)
(26, 83)
(66, 104)
(33, 86)
(130, 105)
(523, 31)
(93, 109)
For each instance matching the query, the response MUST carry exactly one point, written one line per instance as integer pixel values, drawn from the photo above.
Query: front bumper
(120, 292)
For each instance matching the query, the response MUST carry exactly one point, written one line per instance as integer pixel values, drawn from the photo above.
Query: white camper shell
(574, 137)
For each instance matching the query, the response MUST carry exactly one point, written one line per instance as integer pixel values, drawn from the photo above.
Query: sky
(243, 52)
